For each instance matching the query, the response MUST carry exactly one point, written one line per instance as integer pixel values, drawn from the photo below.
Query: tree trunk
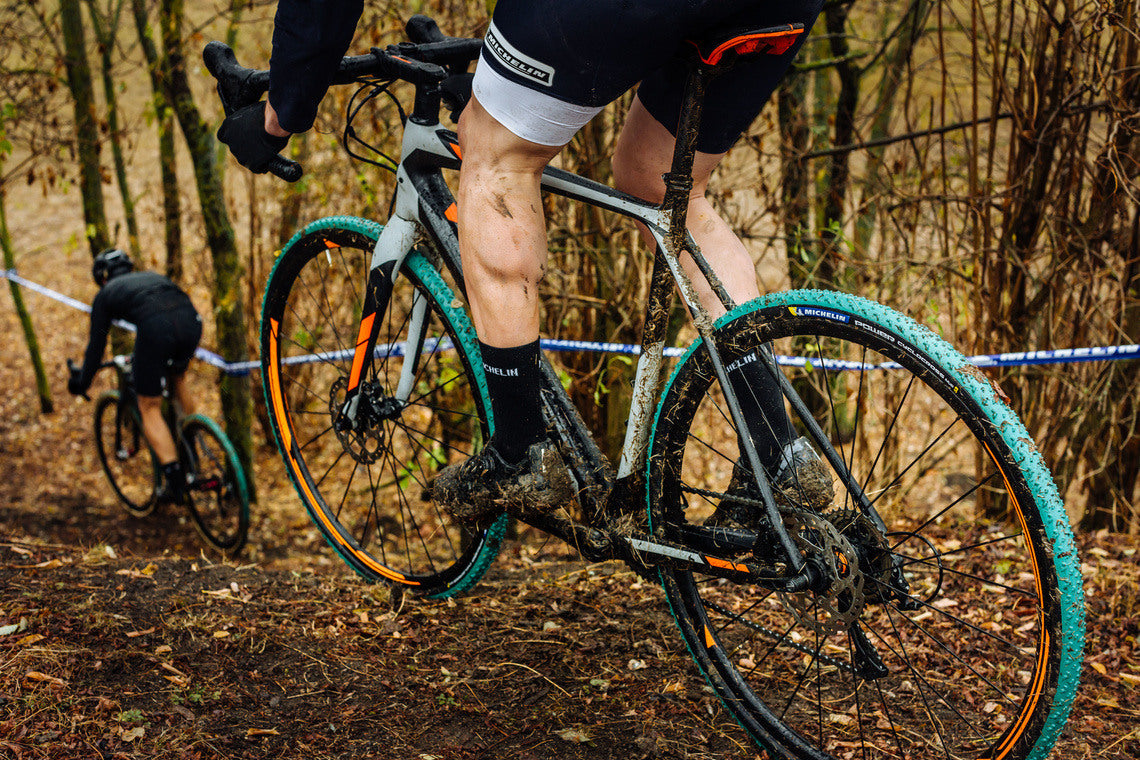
(794, 189)
(105, 37)
(43, 389)
(838, 172)
(229, 313)
(86, 125)
(167, 156)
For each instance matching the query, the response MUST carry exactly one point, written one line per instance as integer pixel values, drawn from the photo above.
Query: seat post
(679, 178)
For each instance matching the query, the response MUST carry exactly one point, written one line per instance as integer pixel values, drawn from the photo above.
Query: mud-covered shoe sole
(478, 489)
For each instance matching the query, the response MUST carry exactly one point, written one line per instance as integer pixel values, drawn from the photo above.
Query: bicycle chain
(776, 637)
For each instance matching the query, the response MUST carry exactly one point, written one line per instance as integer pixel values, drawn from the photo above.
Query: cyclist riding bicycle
(546, 68)
(168, 330)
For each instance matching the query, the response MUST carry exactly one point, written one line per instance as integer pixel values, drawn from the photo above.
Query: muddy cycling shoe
(173, 488)
(479, 489)
(803, 481)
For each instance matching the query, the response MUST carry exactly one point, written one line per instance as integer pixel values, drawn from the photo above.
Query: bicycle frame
(424, 211)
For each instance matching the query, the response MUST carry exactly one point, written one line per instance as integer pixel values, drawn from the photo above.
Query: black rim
(214, 494)
(126, 457)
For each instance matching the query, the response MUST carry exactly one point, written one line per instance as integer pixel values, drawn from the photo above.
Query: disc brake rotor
(838, 606)
(363, 442)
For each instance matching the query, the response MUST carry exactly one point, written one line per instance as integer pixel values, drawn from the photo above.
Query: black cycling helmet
(111, 263)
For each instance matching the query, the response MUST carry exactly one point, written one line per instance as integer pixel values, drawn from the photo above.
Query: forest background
(974, 164)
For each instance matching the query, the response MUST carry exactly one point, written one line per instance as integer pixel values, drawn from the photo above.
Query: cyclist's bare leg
(187, 404)
(155, 429)
(643, 154)
(502, 229)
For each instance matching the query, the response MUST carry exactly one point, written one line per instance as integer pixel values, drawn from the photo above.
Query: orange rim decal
(275, 388)
(361, 350)
(298, 475)
(1039, 671)
(710, 642)
(452, 213)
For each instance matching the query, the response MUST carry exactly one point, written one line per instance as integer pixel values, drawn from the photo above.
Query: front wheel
(216, 489)
(126, 456)
(362, 436)
(956, 631)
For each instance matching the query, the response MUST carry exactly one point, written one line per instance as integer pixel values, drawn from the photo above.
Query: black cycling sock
(513, 382)
(763, 407)
(175, 478)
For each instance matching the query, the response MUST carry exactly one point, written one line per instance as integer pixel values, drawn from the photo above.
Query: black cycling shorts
(548, 66)
(164, 346)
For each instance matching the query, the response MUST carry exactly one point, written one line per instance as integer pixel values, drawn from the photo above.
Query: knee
(490, 150)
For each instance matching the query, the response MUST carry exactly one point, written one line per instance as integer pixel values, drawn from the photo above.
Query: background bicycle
(217, 493)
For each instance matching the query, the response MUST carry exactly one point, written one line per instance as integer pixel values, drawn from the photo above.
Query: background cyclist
(168, 330)
(547, 67)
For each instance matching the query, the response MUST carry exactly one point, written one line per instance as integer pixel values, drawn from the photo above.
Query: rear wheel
(217, 491)
(361, 468)
(957, 631)
(126, 456)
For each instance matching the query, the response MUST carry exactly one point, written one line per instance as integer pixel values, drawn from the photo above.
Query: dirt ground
(120, 639)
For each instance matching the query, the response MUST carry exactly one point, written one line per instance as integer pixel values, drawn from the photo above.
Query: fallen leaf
(637, 665)
(1099, 668)
(8, 630)
(262, 732)
(31, 639)
(133, 634)
(131, 734)
(35, 675)
(221, 634)
(162, 649)
(573, 735)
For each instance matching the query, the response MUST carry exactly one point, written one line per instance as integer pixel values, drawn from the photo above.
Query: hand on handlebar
(243, 131)
(74, 379)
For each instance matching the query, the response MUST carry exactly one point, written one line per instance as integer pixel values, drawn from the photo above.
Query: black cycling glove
(244, 132)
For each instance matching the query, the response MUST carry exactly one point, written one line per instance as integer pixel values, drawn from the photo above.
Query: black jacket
(135, 297)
